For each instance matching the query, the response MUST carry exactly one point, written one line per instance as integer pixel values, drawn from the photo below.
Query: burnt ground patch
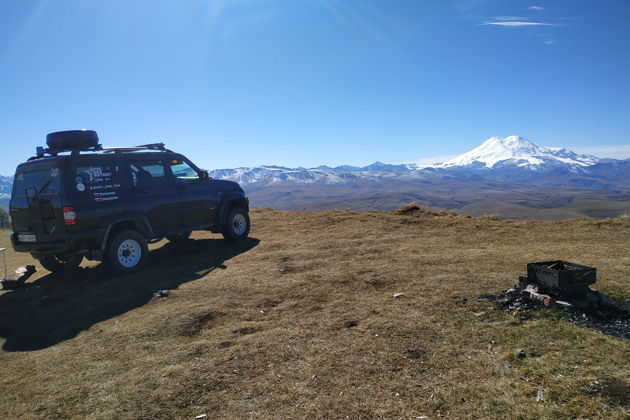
(616, 323)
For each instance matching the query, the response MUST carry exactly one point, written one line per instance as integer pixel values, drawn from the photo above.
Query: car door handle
(141, 191)
(183, 187)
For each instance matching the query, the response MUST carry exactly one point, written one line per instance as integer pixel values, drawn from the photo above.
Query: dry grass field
(300, 321)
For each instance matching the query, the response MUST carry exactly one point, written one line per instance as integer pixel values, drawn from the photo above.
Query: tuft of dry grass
(301, 321)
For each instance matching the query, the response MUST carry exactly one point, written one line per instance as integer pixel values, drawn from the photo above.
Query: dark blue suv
(77, 199)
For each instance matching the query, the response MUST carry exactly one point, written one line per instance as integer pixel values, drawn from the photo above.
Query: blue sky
(308, 82)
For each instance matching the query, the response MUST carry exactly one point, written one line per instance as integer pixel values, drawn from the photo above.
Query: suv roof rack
(42, 152)
(150, 146)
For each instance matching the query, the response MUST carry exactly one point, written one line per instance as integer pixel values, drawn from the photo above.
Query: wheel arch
(138, 223)
(229, 203)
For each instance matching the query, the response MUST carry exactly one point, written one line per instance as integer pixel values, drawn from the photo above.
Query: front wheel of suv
(127, 252)
(60, 263)
(237, 226)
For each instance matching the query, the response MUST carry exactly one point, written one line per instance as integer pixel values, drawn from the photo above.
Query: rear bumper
(43, 247)
(80, 242)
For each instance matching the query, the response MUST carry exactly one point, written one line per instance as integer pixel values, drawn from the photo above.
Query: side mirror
(204, 175)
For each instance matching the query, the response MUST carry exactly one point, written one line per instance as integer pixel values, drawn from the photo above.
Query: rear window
(36, 181)
(98, 179)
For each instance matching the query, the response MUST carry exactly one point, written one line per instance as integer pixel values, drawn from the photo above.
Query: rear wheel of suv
(237, 226)
(60, 263)
(180, 237)
(127, 252)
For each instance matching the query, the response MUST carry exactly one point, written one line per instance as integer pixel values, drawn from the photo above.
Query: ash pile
(565, 285)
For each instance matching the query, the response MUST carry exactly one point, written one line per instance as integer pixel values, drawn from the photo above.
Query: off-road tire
(178, 238)
(127, 253)
(72, 139)
(236, 225)
(60, 263)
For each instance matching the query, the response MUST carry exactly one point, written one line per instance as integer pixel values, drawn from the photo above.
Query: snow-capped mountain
(520, 152)
(499, 157)
(6, 184)
(512, 177)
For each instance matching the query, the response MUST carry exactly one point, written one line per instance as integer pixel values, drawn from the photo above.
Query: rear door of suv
(156, 193)
(36, 202)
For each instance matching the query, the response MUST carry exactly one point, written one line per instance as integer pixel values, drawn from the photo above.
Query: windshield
(36, 182)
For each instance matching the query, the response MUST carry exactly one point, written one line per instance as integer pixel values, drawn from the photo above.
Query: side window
(182, 171)
(98, 178)
(147, 172)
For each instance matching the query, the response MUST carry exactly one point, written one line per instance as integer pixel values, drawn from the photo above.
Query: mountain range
(511, 177)
(6, 183)
(496, 158)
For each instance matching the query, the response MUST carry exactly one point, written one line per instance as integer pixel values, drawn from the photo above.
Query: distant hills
(511, 177)
(6, 182)
(511, 158)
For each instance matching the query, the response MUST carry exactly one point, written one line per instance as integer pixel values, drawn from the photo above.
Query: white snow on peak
(496, 152)
(518, 151)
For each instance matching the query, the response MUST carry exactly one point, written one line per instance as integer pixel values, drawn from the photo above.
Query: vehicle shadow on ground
(55, 308)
